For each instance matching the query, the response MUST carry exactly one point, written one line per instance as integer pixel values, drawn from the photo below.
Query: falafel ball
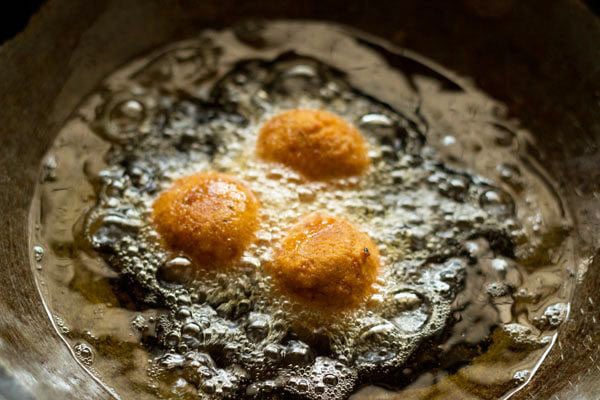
(318, 144)
(327, 262)
(211, 217)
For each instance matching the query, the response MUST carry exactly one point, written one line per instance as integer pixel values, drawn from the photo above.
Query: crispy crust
(326, 261)
(211, 217)
(318, 144)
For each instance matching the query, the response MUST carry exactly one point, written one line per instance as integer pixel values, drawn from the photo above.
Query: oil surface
(473, 238)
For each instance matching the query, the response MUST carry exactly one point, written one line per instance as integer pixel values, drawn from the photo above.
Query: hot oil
(473, 237)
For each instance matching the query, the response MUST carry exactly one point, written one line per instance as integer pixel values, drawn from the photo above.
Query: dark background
(15, 19)
(15, 15)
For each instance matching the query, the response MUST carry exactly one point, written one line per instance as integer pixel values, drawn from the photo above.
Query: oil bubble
(84, 353)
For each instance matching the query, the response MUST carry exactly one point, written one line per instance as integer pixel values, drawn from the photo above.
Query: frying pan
(541, 58)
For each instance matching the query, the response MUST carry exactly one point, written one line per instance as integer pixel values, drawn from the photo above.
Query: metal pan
(540, 58)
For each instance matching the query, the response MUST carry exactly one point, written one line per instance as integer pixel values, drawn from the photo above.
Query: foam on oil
(472, 240)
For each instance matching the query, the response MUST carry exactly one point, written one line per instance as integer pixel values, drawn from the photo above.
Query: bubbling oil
(473, 242)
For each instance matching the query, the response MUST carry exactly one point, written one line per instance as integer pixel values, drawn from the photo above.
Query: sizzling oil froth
(458, 266)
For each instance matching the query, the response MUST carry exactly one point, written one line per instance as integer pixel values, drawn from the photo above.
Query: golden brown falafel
(326, 261)
(212, 217)
(318, 144)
